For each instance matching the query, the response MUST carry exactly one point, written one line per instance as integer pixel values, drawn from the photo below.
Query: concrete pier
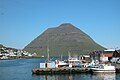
(39, 71)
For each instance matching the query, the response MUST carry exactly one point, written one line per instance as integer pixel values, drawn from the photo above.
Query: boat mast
(69, 55)
(48, 55)
(61, 57)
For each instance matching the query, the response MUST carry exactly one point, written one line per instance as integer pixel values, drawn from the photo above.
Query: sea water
(21, 69)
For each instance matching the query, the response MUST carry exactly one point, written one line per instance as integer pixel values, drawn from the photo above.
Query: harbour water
(20, 69)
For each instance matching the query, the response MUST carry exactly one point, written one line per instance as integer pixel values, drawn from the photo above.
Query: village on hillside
(7, 53)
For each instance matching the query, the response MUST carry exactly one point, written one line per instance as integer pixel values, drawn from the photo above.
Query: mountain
(62, 39)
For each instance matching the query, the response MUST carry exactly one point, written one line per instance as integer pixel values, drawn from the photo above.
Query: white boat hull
(95, 70)
(105, 69)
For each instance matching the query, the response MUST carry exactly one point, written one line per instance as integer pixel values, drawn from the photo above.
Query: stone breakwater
(39, 71)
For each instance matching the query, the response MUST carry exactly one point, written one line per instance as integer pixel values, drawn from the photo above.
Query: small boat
(104, 68)
(73, 62)
(60, 63)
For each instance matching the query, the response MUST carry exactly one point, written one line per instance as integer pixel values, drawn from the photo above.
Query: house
(85, 58)
(116, 57)
(106, 55)
(116, 53)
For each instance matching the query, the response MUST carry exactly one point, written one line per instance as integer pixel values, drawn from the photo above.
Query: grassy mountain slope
(62, 39)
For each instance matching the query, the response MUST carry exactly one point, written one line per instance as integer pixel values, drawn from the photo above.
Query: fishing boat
(73, 62)
(61, 63)
(104, 68)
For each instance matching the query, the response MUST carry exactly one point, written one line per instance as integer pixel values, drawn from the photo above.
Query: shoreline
(12, 58)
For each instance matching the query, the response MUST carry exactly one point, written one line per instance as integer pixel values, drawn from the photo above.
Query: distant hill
(62, 39)
(2, 46)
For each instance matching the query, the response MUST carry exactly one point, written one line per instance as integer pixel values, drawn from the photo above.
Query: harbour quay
(39, 71)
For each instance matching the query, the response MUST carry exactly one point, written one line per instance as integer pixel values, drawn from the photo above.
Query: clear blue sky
(21, 21)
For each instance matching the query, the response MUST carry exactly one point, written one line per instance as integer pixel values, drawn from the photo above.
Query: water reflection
(56, 77)
(105, 76)
(79, 77)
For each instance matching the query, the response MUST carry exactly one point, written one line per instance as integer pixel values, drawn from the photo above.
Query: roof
(86, 55)
(110, 50)
(107, 55)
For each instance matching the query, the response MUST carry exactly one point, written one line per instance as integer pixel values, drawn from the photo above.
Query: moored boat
(104, 68)
(60, 63)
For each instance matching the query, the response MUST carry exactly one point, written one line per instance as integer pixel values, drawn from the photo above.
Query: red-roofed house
(106, 57)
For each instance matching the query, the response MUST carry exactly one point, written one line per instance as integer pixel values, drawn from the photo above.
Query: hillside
(61, 39)
(2, 46)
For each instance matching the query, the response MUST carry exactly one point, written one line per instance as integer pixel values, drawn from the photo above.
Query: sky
(21, 21)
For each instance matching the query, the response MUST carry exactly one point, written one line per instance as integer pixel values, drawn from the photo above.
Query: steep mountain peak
(66, 25)
(61, 39)
(63, 28)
